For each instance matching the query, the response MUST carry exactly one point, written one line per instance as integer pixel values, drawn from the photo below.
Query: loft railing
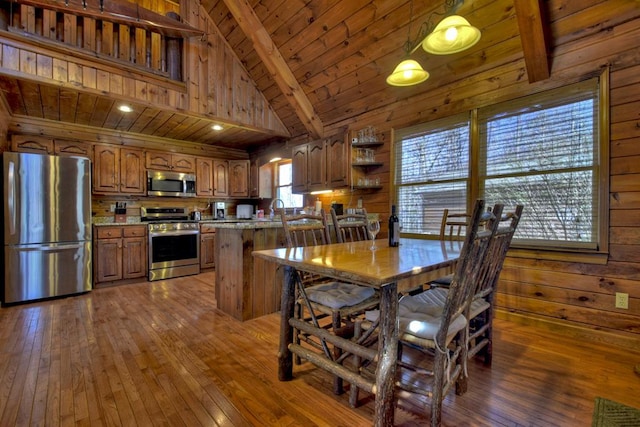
(140, 43)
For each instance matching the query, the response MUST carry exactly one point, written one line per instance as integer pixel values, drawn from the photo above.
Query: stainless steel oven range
(174, 242)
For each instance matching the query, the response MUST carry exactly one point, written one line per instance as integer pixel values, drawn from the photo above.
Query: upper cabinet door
(31, 144)
(300, 182)
(220, 178)
(132, 171)
(171, 162)
(158, 161)
(338, 163)
(204, 177)
(317, 166)
(239, 178)
(106, 169)
(183, 163)
(72, 148)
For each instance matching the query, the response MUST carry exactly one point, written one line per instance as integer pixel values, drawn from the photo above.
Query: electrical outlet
(112, 208)
(622, 300)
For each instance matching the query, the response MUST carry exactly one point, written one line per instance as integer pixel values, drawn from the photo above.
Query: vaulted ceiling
(322, 63)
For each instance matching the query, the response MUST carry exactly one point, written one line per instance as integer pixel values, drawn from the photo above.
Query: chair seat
(338, 294)
(421, 317)
(442, 281)
(438, 297)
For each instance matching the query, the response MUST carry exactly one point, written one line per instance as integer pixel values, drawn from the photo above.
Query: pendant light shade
(407, 73)
(452, 35)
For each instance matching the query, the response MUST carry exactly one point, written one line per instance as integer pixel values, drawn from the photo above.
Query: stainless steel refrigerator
(47, 226)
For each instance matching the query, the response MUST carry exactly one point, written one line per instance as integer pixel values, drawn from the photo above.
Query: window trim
(596, 255)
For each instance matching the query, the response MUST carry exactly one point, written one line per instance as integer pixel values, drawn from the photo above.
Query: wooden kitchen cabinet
(106, 169)
(320, 165)
(316, 166)
(204, 176)
(239, 178)
(157, 160)
(44, 145)
(299, 159)
(207, 246)
(73, 148)
(132, 172)
(220, 178)
(31, 144)
(261, 178)
(120, 253)
(118, 170)
(338, 162)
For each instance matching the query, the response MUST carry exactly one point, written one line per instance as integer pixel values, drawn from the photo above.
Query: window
(284, 185)
(432, 173)
(542, 151)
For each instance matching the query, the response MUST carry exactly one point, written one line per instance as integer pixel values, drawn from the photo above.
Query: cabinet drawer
(135, 231)
(207, 228)
(109, 232)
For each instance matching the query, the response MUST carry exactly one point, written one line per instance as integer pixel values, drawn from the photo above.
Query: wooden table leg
(387, 356)
(285, 357)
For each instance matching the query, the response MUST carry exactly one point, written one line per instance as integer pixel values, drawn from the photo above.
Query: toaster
(244, 211)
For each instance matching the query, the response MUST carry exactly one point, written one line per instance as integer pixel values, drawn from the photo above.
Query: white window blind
(431, 173)
(542, 151)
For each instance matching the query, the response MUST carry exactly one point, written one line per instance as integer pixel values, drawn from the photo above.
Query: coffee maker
(220, 210)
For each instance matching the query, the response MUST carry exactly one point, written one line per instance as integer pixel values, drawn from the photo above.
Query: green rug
(608, 413)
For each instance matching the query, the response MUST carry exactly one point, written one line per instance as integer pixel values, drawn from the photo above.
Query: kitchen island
(246, 287)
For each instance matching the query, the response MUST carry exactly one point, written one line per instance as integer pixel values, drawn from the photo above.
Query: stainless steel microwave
(171, 184)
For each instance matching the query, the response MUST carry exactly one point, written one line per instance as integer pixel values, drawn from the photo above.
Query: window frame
(544, 249)
(277, 186)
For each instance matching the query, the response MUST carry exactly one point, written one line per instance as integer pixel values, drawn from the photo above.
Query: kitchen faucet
(273, 206)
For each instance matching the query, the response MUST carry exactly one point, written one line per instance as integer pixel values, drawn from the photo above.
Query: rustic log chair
(322, 296)
(438, 331)
(452, 232)
(350, 227)
(480, 311)
(452, 229)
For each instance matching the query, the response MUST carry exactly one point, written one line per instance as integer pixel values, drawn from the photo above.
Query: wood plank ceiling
(322, 63)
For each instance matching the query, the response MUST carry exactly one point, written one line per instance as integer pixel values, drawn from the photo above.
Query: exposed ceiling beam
(277, 66)
(532, 35)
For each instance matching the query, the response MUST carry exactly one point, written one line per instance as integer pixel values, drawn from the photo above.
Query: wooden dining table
(388, 269)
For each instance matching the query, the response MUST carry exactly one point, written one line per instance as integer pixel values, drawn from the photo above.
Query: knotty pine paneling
(213, 63)
(576, 296)
(242, 104)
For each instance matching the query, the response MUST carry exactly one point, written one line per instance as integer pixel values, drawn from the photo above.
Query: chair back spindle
(350, 227)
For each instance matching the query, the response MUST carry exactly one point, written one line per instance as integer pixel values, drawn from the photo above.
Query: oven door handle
(173, 233)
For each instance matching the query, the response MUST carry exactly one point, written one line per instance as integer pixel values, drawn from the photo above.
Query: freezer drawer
(43, 271)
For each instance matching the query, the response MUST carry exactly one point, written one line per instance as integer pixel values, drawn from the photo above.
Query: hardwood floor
(159, 353)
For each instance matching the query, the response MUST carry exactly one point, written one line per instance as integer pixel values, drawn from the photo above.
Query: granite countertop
(101, 221)
(243, 224)
(232, 223)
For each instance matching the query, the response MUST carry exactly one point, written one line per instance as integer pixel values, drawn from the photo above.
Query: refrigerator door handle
(52, 247)
(11, 198)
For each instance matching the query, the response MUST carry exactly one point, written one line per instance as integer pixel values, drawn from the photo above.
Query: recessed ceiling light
(125, 108)
(275, 159)
(217, 127)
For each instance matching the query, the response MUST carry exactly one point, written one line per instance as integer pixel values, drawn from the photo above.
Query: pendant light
(452, 35)
(407, 73)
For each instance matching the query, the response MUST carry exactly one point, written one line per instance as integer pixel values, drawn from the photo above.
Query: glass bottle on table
(394, 228)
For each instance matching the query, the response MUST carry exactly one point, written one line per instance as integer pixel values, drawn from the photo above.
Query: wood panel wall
(575, 297)
(216, 85)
